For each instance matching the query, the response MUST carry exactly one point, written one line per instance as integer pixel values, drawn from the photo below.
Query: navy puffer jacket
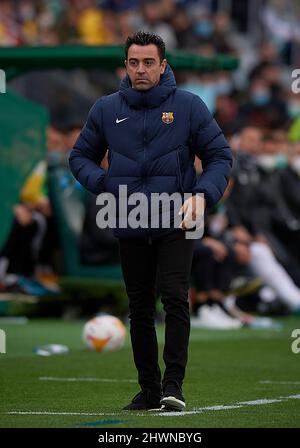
(152, 137)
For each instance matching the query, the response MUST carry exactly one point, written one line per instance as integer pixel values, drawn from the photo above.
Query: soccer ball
(104, 333)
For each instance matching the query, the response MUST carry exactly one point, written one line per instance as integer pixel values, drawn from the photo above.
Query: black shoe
(172, 399)
(144, 400)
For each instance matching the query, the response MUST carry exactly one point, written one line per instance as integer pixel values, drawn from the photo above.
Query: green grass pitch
(239, 378)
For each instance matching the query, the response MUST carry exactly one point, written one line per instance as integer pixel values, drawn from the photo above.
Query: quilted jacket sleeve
(88, 152)
(210, 145)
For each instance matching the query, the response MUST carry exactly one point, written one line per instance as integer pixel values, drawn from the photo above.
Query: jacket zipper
(179, 171)
(144, 134)
(144, 148)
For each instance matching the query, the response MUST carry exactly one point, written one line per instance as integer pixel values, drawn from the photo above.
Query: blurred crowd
(255, 230)
(183, 24)
(96, 22)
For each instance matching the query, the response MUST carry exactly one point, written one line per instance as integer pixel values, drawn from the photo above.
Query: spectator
(256, 201)
(91, 26)
(184, 29)
(120, 16)
(262, 109)
(27, 259)
(152, 15)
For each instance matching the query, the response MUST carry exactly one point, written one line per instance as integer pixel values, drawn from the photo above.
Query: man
(152, 132)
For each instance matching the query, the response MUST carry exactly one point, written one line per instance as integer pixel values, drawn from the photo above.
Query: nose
(141, 68)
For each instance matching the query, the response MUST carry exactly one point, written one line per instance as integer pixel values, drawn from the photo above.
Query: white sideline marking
(102, 380)
(259, 402)
(233, 406)
(58, 413)
(279, 382)
(171, 413)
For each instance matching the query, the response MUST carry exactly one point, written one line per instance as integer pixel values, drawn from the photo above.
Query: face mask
(293, 109)
(207, 92)
(267, 162)
(260, 98)
(281, 161)
(295, 164)
(224, 87)
(204, 28)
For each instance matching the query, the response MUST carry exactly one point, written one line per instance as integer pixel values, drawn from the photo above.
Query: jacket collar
(152, 97)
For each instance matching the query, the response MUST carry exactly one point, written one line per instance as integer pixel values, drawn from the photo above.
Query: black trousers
(170, 256)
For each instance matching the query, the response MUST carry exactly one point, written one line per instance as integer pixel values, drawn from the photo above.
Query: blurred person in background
(289, 234)
(27, 259)
(204, 85)
(257, 205)
(292, 107)
(222, 29)
(152, 20)
(281, 23)
(183, 26)
(213, 269)
(262, 109)
(228, 250)
(226, 113)
(22, 252)
(91, 25)
(120, 17)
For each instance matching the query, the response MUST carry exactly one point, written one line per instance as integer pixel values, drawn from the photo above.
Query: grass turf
(225, 367)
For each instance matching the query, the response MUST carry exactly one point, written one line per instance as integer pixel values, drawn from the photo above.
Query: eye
(133, 63)
(148, 63)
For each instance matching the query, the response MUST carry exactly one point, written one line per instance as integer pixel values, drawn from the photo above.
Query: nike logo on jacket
(119, 121)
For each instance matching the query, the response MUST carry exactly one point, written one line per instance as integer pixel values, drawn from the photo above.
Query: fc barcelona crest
(167, 117)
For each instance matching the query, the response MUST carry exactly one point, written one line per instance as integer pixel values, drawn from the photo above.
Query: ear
(163, 66)
(125, 62)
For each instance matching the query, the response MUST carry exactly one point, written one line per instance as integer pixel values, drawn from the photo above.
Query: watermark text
(154, 211)
(2, 81)
(296, 82)
(2, 341)
(296, 343)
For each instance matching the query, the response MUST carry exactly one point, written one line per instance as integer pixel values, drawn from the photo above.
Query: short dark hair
(145, 38)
